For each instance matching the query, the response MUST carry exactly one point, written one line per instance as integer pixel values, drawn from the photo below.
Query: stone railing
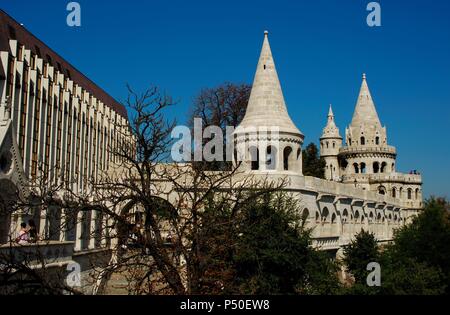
(368, 149)
(46, 254)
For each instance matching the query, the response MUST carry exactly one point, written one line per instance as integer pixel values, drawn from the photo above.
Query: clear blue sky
(321, 48)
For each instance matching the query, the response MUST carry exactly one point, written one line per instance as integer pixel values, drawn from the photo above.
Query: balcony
(48, 254)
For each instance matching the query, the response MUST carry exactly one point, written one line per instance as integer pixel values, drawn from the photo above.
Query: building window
(377, 140)
(356, 168)
(363, 168)
(363, 141)
(254, 156)
(271, 156)
(409, 194)
(394, 192)
(376, 167)
(286, 157)
(383, 167)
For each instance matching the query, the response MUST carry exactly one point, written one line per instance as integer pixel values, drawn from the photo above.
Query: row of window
(271, 158)
(325, 217)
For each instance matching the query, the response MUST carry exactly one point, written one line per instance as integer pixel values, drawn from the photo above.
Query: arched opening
(286, 158)
(383, 167)
(363, 141)
(328, 144)
(394, 192)
(376, 167)
(334, 145)
(345, 216)
(356, 216)
(417, 193)
(382, 190)
(393, 167)
(409, 194)
(377, 140)
(371, 217)
(254, 156)
(305, 215)
(400, 193)
(271, 155)
(379, 217)
(363, 168)
(325, 215)
(317, 217)
(356, 167)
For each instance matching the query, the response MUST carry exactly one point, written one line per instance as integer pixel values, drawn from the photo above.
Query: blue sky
(321, 48)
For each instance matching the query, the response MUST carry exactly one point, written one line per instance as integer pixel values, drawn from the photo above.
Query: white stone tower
(330, 143)
(367, 151)
(267, 140)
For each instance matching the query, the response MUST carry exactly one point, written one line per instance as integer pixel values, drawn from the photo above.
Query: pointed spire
(365, 112)
(266, 106)
(331, 130)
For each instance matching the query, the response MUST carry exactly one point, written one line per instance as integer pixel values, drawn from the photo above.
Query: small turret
(330, 143)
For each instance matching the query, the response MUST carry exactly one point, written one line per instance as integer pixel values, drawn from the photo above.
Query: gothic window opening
(376, 167)
(409, 194)
(286, 158)
(377, 140)
(383, 167)
(363, 168)
(356, 168)
(363, 141)
(271, 158)
(254, 155)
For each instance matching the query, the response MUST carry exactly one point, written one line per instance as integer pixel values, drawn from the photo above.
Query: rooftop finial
(266, 33)
(364, 76)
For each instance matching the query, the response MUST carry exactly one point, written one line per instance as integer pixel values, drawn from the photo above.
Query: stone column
(92, 230)
(63, 224)
(78, 236)
(43, 224)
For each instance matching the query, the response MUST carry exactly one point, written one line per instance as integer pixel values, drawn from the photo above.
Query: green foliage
(423, 245)
(274, 256)
(416, 263)
(359, 253)
(313, 164)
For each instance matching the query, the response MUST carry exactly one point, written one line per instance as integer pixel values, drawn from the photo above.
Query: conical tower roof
(365, 111)
(331, 130)
(266, 106)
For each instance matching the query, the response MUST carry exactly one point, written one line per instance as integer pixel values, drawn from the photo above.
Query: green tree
(313, 164)
(273, 253)
(421, 251)
(359, 253)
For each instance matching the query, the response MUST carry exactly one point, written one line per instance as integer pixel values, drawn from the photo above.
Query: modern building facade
(56, 127)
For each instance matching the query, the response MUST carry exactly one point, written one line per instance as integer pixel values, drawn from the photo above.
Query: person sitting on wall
(23, 238)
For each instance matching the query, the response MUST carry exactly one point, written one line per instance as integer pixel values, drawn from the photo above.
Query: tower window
(286, 157)
(254, 154)
(409, 194)
(377, 140)
(376, 167)
(363, 141)
(356, 168)
(271, 158)
(363, 168)
(383, 167)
